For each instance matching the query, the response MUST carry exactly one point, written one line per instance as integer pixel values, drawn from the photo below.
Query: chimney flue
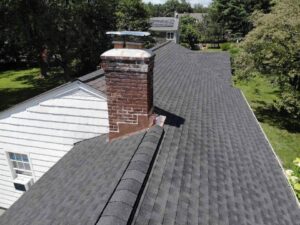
(131, 45)
(129, 82)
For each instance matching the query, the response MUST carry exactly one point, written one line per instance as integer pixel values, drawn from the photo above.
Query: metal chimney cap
(129, 33)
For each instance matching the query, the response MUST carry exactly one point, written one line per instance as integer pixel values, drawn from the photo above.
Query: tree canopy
(132, 15)
(234, 15)
(198, 8)
(74, 31)
(272, 48)
(169, 8)
(189, 31)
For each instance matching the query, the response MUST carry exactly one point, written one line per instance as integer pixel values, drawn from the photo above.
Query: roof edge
(91, 76)
(272, 149)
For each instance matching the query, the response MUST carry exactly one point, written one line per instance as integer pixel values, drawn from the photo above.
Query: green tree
(198, 8)
(211, 31)
(189, 32)
(234, 15)
(74, 31)
(169, 8)
(132, 15)
(18, 29)
(272, 49)
(155, 10)
(172, 6)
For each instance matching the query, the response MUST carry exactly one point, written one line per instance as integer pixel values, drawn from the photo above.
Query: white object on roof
(125, 52)
(129, 33)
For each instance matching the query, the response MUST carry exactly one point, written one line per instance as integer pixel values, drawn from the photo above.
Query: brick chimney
(129, 83)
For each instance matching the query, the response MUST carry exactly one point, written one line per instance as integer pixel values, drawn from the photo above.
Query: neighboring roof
(197, 16)
(164, 24)
(129, 33)
(96, 182)
(214, 164)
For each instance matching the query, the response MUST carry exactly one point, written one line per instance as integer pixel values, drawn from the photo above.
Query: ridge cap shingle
(124, 200)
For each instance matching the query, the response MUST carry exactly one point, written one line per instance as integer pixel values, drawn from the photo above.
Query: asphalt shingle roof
(214, 165)
(95, 79)
(95, 179)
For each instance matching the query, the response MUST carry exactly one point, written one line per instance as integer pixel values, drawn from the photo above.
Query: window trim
(13, 173)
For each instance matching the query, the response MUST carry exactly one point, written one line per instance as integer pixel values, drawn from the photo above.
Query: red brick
(129, 92)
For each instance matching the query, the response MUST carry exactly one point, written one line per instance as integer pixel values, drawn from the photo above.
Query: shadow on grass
(13, 96)
(268, 114)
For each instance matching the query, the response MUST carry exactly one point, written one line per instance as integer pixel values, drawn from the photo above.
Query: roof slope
(216, 167)
(93, 179)
(96, 80)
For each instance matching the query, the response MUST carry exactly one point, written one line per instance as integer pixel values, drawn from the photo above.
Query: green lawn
(211, 50)
(283, 132)
(19, 85)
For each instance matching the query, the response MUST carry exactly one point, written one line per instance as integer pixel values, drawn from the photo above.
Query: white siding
(47, 130)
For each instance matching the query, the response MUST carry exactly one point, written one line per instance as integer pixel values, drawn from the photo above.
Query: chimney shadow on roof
(171, 119)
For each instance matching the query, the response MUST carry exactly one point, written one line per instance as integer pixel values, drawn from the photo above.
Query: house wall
(46, 132)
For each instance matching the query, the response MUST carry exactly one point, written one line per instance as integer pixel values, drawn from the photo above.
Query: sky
(202, 2)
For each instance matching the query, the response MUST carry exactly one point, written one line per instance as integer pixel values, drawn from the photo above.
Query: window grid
(170, 35)
(20, 164)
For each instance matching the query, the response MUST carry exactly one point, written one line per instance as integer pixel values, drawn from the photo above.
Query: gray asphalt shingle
(215, 166)
(90, 180)
(95, 79)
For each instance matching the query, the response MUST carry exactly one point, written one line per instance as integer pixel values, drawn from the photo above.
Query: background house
(165, 28)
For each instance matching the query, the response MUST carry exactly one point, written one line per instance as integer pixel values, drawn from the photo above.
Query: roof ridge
(123, 202)
(160, 46)
(91, 76)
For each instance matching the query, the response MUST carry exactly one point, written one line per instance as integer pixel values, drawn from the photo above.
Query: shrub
(225, 46)
(186, 45)
(294, 177)
(234, 51)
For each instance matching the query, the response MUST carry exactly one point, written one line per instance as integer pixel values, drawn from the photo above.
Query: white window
(20, 164)
(170, 36)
